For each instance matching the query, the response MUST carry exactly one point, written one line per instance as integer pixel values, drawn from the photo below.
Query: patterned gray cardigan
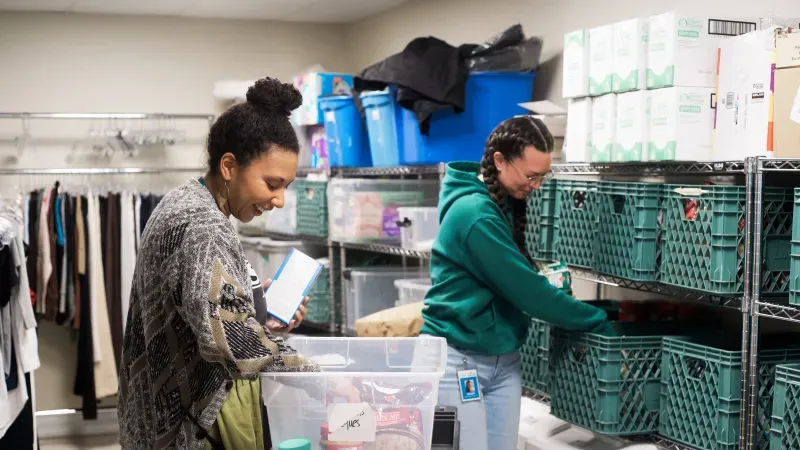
(191, 326)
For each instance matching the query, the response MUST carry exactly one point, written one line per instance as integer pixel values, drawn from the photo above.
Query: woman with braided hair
(485, 288)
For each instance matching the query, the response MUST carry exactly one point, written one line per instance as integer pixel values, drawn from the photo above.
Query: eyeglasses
(534, 178)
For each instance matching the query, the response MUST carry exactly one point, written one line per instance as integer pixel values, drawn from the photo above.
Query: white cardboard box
(633, 125)
(744, 95)
(578, 142)
(576, 64)
(630, 55)
(681, 124)
(682, 50)
(601, 59)
(604, 126)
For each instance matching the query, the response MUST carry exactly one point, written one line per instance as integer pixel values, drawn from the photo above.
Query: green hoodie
(484, 290)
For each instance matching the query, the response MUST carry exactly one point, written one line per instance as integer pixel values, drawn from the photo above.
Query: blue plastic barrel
(391, 133)
(345, 133)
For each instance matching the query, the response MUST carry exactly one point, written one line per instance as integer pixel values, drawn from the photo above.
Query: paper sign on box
(351, 422)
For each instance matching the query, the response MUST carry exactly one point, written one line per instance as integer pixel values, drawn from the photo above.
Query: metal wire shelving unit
(758, 307)
(751, 172)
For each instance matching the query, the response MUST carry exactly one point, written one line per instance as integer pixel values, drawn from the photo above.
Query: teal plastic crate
(701, 393)
(541, 231)
(794, 284)
(312, 207)
(785, 432)
(703, 239)
(535, 357)
(609, 385)
(319, 306)
(627, 230)
(577, 211)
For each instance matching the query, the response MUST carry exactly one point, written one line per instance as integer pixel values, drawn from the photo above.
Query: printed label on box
(351, 422)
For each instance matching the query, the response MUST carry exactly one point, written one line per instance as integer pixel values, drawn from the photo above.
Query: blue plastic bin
(393, 130)
(491, 98)
(345, 133)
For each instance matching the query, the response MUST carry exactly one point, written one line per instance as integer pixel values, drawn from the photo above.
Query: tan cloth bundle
(400, 321)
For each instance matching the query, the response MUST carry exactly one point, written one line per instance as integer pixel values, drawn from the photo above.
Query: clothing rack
(25, 115)
(102, 171)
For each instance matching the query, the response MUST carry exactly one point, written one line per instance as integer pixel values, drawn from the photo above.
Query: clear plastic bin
(284, 220)
(281, 220)
(397, 380)
(412, 291)
(371, 289)
(266, 255)
(418, 227)
(362, 210)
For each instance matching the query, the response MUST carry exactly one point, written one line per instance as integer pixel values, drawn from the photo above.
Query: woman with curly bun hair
(485, 288)
(193, 349)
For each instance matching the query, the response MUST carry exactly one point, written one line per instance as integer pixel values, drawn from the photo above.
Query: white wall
(460, 21)
(84, 63)
(88, 63)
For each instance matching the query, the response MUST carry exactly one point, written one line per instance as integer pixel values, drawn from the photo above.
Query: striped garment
(191, 326)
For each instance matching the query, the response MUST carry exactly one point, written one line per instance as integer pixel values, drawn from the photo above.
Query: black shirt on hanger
(84, 377)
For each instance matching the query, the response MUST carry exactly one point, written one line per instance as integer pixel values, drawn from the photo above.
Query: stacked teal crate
(535, 357)
(785, 432)
(319, 303)
(541, 231)
(627, 229)
(794, 288)
(609, 385)
(312, 207)
(577, 224)
(701, 392)
(703, 239)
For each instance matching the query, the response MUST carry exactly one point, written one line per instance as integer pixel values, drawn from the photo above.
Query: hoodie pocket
(484, 319)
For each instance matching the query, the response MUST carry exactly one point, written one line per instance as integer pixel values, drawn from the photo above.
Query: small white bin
(418, 227)
(397, 380)
(412, 291)
(371, 289)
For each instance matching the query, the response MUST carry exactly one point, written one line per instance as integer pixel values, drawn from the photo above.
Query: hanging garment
(111, 269)
(24, 319)
(430, 74)
(21, 435)
(127, 253)
(52, 291)
(14, 396)
(84, 376)
(105, 368)
(8, 282)
(61, 242)
(34, 207)
(137, 218)
(80, 259)
(44, 267)
(69, 225)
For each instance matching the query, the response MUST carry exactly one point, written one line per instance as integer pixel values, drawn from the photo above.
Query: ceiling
(317, 11)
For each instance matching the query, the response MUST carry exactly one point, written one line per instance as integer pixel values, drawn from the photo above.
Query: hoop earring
(224, 199)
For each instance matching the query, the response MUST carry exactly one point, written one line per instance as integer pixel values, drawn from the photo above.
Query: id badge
(468, 384)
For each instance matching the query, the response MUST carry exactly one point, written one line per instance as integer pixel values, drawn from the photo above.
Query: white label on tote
(351, 422)
(376, 115)
(330, 116)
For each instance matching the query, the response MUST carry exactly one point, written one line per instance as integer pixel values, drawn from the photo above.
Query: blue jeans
(492, 422)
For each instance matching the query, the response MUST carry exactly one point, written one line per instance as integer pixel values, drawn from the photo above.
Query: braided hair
(511, 137)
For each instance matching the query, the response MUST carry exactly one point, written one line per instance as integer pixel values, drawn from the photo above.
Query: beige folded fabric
(400, 321)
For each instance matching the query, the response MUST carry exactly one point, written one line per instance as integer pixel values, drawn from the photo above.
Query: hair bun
(274, 97)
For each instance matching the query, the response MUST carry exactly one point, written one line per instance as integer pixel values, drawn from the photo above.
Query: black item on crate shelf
(508, 51)
(431, 75)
